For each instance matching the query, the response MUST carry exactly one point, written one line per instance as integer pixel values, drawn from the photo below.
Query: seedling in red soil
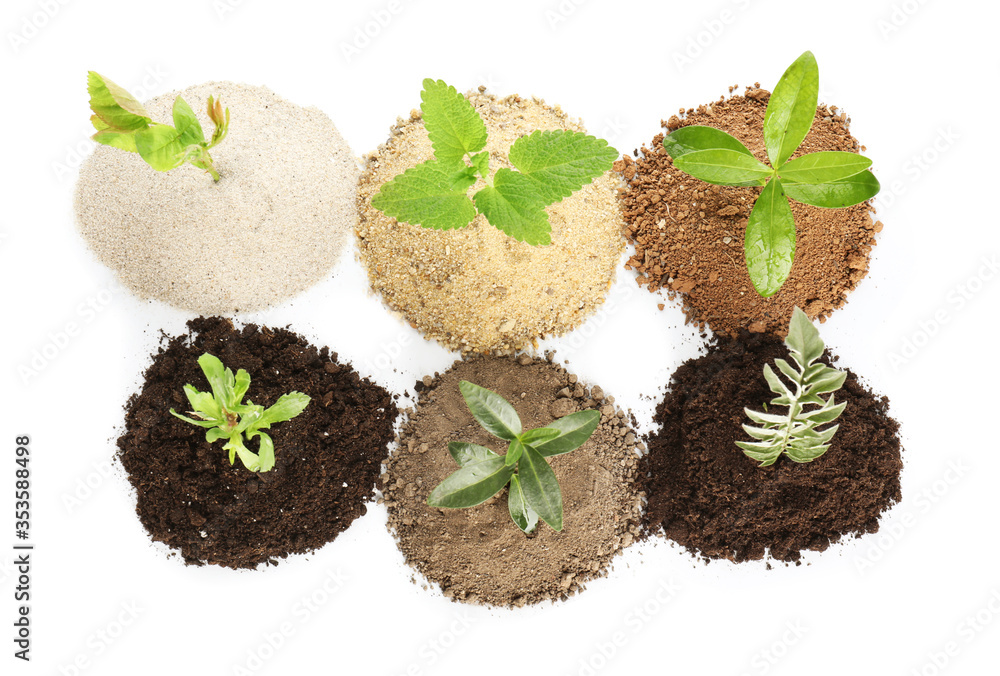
(534, 490)
(122, 122)
(827, 179)
(226, 417)
(550, 166)
(796, 432)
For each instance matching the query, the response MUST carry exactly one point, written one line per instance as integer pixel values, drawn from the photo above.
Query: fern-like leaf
(796, 433)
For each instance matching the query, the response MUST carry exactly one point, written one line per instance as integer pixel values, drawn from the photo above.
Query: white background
(917, 79)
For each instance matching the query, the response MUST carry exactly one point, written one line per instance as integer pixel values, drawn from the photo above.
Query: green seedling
(796, 432)
(548, 167)
(226, 417)
(534, 490)
(122, 122)
(823, 179)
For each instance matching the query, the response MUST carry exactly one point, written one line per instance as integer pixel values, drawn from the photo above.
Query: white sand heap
(272, 227)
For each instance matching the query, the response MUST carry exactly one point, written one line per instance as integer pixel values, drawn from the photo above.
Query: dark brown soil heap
(328, 458)
(478, 555)
(705, 494)
(688, 235)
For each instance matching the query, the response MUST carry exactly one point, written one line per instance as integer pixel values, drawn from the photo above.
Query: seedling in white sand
(122, 122)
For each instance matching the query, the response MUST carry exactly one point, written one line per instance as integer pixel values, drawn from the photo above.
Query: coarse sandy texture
(478, 555)
(327, 458)
(271, 228)
(475, 288)
(706, 495)
(688, 235)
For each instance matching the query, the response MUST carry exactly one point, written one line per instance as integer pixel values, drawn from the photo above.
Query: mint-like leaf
(513, 204)
(453, 125)
(425, 195)
(560, 162)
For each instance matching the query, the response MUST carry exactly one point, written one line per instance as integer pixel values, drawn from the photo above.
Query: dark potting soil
(706, 495)
(327, 459)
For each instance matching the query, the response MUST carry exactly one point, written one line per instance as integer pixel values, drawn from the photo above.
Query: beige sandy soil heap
(478, 555)
(272, 227)
(475, 288)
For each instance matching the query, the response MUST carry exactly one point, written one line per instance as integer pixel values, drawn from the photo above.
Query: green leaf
(803, 337)
(791, 109)
(186, 123)
(769, 245)
(241, 384)
(514, 453)
(520, 511)
(235, 447)
(471, 485)
(452, 123)
(697, 137)
(538, 436)
(199, 423)
(513, 205)
(560, 162)
(425, 195)
(287, 407)
(541, 488)
(837, 194)
(723, 167)
(466, 454)
(265, 455)
(491, 411)
(463, 179)
(775, 383)
(574, 430)
(215, 373)
(123, 140)
(160, 146)
(824, 167)
(203, 402)
(481, 163)
(114, 106)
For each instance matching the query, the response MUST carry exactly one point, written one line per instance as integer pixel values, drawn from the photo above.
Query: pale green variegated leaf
(766, 418)
(765, 434)
(803, 337)
(775, 383)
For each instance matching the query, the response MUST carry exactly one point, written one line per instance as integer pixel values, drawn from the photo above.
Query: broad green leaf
(199, 423)
(160, 147)
(514, 453)
(466, 453)
(118, 109)
(574, 430)
(723, 167)
(520, 511)
(541, 488)
(186, 123)
(791, 109)
(249, 419)
(215, 373)
(803, 337)
(471, 485)
(481, 163)
(491, 411)
(513, 205)
(463, 179)
(203, 402)
(843, 193)
(123, 140)
(235, 447)
(241, 384)
(697, 137)
(824, 167)
(538, 436)
(265, 455)
(215, 434)
(452, 123)
(424, 195)
(769, 244)
(287, 407)
(560, 162)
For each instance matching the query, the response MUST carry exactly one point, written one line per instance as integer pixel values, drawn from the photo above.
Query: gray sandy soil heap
(478, 555)
(271, 228)
(475, 288)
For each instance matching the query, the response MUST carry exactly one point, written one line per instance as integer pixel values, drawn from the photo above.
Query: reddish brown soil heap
(478, 555)
(328, 458)
(688, 234)
(705, 494)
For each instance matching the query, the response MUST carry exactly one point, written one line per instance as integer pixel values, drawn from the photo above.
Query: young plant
(122, 122)
(548, 167)
(534, 490)
(226, 417)
(796, 432)
(824, 179)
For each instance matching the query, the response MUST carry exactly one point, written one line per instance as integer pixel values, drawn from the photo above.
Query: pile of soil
(274, 225)
(327, 459)
(705, 494)
(478, 555)
(475, 288)
(688, 235)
